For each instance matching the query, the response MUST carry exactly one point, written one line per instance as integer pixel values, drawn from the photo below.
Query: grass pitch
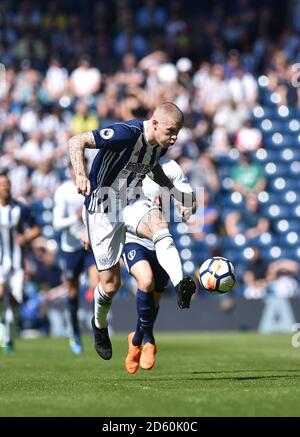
(195, 375)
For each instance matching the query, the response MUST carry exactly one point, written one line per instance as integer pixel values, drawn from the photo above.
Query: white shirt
(67, 203)
(152, 190)
(85, 80)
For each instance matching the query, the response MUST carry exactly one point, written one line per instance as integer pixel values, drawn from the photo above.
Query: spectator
(255, 276)
(282, 278)
(44, 180)
(47, 274)
(83, 120)
(205, 220)
(202, 173)
(150, 16)
(85, 80)
(130, 73)
(247, 177)
(56, 80)
(220, 142)
(248, 138)
(231, 116)
(248, 220)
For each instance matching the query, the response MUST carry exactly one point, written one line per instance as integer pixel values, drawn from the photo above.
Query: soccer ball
(216, 275)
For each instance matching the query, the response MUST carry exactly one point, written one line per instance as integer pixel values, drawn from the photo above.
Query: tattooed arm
(77, 145)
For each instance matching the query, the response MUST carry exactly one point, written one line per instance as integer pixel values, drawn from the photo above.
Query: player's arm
(27, 229)
(115, 138)
(32, 233)
(187, 200)
(77, 145)
(28, 235)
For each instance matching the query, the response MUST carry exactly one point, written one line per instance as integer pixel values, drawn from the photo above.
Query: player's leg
(13, 297)
(144, 267)
(73, 303)
(144, 219)
(160, 279)
(7, 317)
(72, 267)
(106, 239)
(104, 292)
(103, 295)
(152, 226)
(93, 276)
(140, 269)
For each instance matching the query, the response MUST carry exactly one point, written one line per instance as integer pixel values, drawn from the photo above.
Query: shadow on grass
(209, 372)
(245, 378)
(184, 377)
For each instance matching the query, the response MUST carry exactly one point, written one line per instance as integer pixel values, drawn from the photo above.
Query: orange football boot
(133, 357)
(147, 359)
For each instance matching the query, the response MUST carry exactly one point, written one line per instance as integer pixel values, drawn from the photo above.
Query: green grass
(231, 374)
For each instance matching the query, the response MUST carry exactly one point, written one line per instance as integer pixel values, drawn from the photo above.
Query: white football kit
(14, 218)
(154, 191)
(67, 203)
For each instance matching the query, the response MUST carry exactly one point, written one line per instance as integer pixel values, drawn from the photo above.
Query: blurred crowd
(68, 67)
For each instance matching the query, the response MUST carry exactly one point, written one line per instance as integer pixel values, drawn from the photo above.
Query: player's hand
(83, 185)
(184, 212)
(79, 215)
(21, 239)
(85, 241)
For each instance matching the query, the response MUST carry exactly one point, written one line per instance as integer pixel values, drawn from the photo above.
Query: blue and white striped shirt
(124, 159)
(14, 218)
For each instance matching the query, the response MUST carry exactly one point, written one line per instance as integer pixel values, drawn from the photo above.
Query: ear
(154, 124)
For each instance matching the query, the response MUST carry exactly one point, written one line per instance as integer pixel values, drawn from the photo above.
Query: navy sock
(139, 335)
(73, 307)
(146, 315)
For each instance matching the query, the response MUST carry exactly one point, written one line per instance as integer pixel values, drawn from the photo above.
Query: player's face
(166, 132)
(4, 187)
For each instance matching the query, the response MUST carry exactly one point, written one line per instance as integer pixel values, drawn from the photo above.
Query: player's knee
(111, 286)
(146, 283)
(157, 226)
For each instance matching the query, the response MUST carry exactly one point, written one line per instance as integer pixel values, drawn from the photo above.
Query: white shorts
(13, 281)
(107, 237)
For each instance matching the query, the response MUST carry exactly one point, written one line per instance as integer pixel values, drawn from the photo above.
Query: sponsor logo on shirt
(138, 167)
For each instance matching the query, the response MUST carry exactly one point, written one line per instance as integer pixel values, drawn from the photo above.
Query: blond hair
(168, 110)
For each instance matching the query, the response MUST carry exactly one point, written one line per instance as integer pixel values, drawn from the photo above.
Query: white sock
(167, 255)
(102, 303)
(9, 320)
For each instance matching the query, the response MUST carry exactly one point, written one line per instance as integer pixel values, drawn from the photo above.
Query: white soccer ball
(216, 275)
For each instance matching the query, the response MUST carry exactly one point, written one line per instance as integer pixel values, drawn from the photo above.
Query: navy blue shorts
(75, 263)
(134, 252)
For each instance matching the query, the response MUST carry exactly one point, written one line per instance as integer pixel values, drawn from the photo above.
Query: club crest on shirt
(131, 255)
(104, 260)
(106, 134)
